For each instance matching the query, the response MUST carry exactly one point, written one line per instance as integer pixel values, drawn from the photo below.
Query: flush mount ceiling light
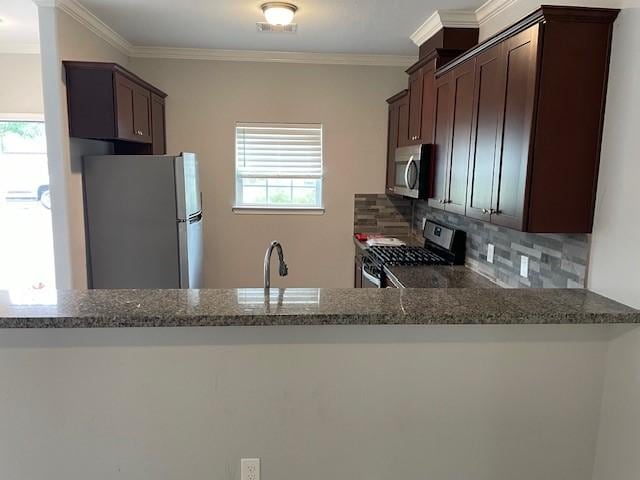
(279, 13)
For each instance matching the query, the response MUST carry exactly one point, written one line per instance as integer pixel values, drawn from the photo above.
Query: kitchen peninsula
(310, 306)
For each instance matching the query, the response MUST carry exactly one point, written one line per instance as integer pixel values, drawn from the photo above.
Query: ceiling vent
(265, 27)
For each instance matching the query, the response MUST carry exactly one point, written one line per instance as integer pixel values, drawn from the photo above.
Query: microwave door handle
(406, 172)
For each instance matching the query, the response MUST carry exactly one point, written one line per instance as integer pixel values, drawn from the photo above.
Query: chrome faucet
(267, 264)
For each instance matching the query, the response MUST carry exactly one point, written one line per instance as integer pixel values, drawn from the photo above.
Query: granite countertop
(436, 276)
(246, 307)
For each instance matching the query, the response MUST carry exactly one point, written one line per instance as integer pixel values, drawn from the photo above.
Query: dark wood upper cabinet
(403, 121)
(415, 107)
(107, 102)
(532, 127)
(487, 113)
(510, 171)
(441, 139)
(158, 133)
(456, 175)
(454, 108)
(428, 107)
(396, 103)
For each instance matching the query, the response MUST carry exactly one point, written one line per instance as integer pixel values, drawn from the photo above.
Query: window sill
(278, 210)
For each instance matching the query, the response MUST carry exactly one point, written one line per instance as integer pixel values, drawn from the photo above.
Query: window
(26, 246)
(278, 166)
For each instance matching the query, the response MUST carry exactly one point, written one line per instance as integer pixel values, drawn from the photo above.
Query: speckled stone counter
(436, 276)
(177, 308)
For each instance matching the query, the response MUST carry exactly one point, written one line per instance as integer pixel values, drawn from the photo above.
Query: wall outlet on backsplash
(524, 266)
(490, 251)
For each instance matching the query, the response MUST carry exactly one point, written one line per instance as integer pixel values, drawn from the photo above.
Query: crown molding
(274, 57)
(459, 19)
(87, 19)
(492, 8)
(20, 48)
(443, 18)
(428, 29)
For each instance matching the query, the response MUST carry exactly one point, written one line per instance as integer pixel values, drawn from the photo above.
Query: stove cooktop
(406, 255)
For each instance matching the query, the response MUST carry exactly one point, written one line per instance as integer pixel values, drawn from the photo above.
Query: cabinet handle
(138, 132)
(485, 211)
(495, 212)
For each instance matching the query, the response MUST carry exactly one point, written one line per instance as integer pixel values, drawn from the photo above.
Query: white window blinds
(279, 151)
(278, 165)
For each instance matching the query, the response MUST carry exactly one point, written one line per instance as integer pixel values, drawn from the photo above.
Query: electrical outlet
(250, 469)
(490, 251)
(424, 222)
(524, 266)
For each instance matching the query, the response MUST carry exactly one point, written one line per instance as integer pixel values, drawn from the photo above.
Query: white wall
(619, 436)
(20, 84)
(63, 38)
(615, 257)
(378, 403)
(206, 99)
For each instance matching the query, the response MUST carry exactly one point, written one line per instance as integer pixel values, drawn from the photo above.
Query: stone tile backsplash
(381, 214)
(555, 260)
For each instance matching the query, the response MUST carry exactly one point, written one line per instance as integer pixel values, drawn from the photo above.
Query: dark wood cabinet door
(133, 104)
(142, 114)
(428, 105)
(158, 135)
(487, 108)
(392, 144)
(403, 122)
(462, 83)
(415, 107)
(125, 91)
(442, 136)
(510, 175)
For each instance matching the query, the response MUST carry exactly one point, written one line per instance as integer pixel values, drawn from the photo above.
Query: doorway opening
(26, 241)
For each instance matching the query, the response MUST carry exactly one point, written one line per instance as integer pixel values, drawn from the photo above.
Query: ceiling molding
(274, 57)
(428, 29)
(444, 18)
(20, 48)
(491, 8)
(459, 19)
(87, 19)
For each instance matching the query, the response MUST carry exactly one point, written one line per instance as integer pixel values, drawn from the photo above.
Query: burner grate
(406, 255)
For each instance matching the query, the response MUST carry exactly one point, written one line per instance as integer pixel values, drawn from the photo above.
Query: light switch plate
(490, 251)
(524, 266)
(250, 469)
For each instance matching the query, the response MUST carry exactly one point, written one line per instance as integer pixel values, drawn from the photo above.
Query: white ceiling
(324, 26)
(19, 26)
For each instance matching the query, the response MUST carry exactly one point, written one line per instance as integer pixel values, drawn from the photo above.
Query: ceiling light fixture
(279, 13)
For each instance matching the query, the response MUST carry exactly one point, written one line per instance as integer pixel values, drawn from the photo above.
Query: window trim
(248, 210)
(286, 209)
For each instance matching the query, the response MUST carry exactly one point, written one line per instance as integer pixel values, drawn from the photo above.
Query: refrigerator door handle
(195, 218)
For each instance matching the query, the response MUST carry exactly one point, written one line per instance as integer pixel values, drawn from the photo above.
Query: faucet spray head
(284, 270)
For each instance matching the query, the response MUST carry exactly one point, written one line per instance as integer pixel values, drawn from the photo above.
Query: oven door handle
(406, 173)
(375, 280)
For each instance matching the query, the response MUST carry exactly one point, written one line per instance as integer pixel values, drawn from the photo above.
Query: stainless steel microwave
(412, 171)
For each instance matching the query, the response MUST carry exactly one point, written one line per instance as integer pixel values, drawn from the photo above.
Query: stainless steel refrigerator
(143, 221)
